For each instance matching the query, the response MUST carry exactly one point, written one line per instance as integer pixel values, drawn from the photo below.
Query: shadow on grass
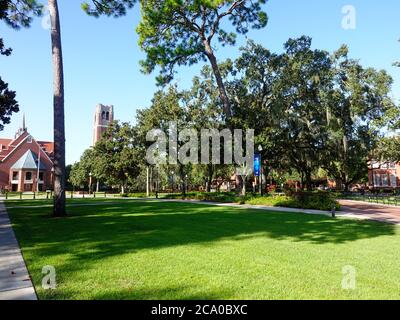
(135, 226)
(179, 293)
(93, 233)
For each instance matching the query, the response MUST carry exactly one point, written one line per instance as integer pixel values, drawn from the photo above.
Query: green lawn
(150, 250)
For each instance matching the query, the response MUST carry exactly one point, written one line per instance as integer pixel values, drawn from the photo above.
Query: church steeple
(24, 128)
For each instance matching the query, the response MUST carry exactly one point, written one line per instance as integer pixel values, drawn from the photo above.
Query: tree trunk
(209, 177)
(59, 126)
(243, 185)
(221, 86)
(309, 181)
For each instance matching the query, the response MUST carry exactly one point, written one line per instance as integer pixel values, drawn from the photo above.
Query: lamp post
(90, 182)
(260, 149)
(172, 181)
(157, 183)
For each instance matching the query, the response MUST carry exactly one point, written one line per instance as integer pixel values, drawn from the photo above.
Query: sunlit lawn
(150, 250)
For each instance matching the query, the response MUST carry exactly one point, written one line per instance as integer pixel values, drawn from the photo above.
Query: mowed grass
(151, 250)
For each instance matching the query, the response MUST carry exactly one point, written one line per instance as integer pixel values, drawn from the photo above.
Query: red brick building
(384, 175)
(26, 164)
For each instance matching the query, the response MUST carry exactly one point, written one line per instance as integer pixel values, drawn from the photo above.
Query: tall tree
(80, 171)
(358, 105)
(279, 96)
(182, 32)
(59, 209)
(117, 156)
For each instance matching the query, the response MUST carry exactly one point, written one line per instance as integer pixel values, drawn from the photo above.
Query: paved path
(389, 214)
(15, 283)
(350, 209)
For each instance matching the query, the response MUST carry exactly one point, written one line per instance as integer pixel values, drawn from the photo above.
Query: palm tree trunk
(59, 126)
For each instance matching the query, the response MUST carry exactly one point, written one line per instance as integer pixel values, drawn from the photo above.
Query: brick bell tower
(103, 117)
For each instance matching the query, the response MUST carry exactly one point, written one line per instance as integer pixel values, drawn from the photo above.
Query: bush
(312, 200)
(300, 200)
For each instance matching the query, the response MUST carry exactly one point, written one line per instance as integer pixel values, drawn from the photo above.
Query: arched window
(108, 116)
(103, 115)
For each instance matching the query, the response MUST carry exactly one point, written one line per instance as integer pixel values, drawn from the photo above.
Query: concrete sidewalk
(15, 283)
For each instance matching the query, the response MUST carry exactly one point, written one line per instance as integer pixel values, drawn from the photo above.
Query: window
(108, 116)
(15, 176)
(41, 175)
(29, 140)
(393, 180)
(377, 180)
(103, 115)
(385, 180)
(28, 176)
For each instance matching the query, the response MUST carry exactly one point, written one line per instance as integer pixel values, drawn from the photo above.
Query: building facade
(384, 175)
(26, 165)
(103, 117)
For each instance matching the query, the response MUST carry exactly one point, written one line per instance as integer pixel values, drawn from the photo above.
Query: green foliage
(3, 50)
(115, 160)
(117, 156)
(223, 197)
(181, 32)
(387, 149)
(19, 13)
(312, 109)
(115, 8)
(174, 33)
(80, 171)
(8, 104)
(302, 200)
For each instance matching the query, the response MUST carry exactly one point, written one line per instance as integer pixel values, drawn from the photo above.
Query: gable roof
(28, 161)
(5, 142)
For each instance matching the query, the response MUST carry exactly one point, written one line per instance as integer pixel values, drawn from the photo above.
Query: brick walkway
(371, 211)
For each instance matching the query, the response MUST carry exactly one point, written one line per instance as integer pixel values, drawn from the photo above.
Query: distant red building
(25, 164)
(384, 175)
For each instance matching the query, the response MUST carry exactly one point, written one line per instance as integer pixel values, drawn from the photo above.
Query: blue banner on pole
(257, 165)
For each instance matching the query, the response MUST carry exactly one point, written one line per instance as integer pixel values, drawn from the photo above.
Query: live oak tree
(359, 106)
(278, 96)
(168, 106)
(80, 171)
(117, 156)
(312, 109)
(182, 32)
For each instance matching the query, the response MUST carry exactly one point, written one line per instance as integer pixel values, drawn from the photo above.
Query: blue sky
(101, 59)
